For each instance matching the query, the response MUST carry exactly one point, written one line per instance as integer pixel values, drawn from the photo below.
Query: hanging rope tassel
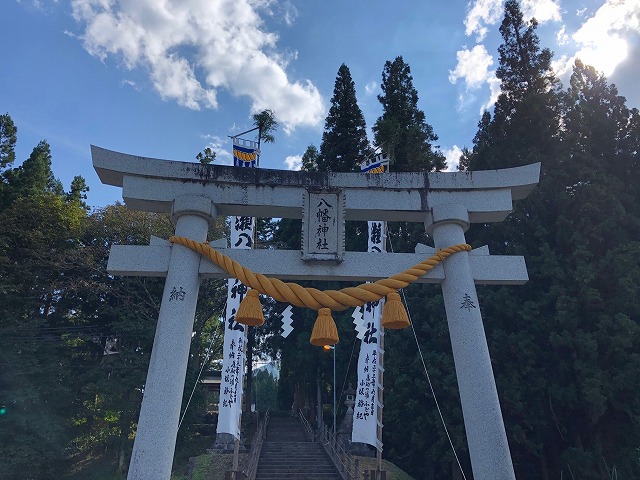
(325, 331)
(250, 310)
(394, 315)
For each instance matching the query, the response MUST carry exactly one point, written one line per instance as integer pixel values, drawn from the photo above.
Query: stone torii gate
(194, 194)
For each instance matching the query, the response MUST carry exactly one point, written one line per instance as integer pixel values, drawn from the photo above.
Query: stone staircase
(287, 454)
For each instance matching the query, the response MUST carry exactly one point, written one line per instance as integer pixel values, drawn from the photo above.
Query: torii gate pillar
(486, 436)
(155, 443)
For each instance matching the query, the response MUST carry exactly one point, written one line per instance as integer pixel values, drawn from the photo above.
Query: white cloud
(561, 65)
(481, 14)
(39, 5)
(453, 158)
(603, 38)
(542, 10)
(473, 66)
(494, 88)
(370, 88)
(293, 162)
(130, 83)
(193, 49)
(290, 13)
(562, 37)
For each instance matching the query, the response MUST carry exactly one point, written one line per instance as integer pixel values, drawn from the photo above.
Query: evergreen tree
(8, 139)
(402, 130)
(34, 176)
(266, 123)
(552, 340)
(311, 159)
(597, 329)
(344, 141)
(344, 146)
(78, 192)
(206, 156)
(525, 121)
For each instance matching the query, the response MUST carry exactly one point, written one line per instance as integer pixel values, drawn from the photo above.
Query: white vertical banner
(365, 410)
(235, 334)
(366, 426)
(233, 360)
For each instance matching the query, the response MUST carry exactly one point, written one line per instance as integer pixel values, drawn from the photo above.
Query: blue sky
(166, 78)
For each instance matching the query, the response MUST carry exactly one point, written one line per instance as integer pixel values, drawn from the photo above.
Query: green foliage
(8, 132)
(402, 130)
(525, 123)
(344, 141)
(78, 192)
(267, 124)
(37, 259)
(311, 159)
(212, 466)
(65, 397)
(564, 345)
(266, 391)
(206, 156)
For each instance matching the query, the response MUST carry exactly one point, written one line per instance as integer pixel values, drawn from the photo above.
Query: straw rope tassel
(394, 315)
(250, 310)
(325, 331)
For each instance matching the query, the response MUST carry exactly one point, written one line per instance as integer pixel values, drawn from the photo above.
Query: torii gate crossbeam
(194, 194)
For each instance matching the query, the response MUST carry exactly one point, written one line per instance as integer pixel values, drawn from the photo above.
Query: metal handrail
(306, 426)
(338, 454)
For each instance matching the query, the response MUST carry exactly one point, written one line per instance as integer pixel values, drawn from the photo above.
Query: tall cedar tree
(563, 344)
(524, 128)
(344, 146)
(402, 130)
(344, 141)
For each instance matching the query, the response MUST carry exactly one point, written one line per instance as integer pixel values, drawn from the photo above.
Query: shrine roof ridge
(113, 166)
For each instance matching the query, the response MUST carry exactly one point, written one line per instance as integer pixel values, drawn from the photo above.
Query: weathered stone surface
(152, 185)
(153, 260)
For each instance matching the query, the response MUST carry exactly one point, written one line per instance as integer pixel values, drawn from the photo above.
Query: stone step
(301, 448)
(297, 468)
(296, 464)
(287, 454)
(298, 458)
(298, 476)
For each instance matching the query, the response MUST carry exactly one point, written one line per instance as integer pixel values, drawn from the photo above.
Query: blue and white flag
(245, 153)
